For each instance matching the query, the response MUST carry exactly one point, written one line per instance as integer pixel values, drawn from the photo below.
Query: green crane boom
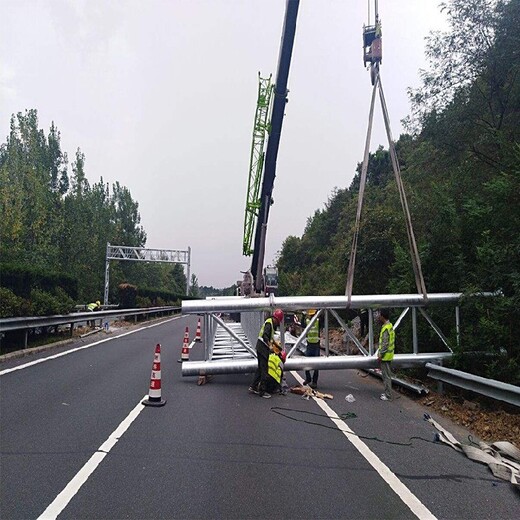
(256, 164)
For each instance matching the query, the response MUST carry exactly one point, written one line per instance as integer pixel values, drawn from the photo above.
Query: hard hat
(98, 303)
(278, 315)
(311, 312)
(283, 355)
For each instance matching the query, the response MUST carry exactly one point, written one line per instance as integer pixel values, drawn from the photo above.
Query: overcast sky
(160, 95)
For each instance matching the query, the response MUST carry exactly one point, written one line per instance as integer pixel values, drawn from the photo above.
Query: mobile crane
(258, 204)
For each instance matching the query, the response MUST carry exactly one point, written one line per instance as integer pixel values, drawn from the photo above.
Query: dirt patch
(499, 424)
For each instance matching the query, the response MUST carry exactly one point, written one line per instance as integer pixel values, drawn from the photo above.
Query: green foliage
(143, 302)
(23, 279)
(194, 287)
(11, 305)
(44, 303)
(157, 298)
(66, 303)
(205, 291)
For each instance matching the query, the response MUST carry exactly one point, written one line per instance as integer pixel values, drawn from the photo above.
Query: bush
(156, 296)
(143, 302)
(23, 279)
(43, 303)
(127, 296)
(11, 305)
(65, 303)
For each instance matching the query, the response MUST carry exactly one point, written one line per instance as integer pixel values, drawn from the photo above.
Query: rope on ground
(348, 415)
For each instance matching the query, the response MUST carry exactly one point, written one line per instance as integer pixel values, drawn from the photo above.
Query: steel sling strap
(416, 263)
(362, 183)
(414, 252)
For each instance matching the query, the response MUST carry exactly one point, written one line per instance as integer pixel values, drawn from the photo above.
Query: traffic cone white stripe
(198, 334)
(154, 393)
(185, 352)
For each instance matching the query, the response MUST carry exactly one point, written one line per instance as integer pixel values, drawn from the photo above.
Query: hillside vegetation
(54, 222)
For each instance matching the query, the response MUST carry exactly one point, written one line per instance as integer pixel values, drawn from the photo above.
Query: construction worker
(313, 347)
(275, 370)
(91, 307)
(94, 306)
(386, 352)
(263, 350)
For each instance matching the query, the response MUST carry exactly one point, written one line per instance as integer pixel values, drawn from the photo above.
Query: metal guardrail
(488, 387)
(28, 323)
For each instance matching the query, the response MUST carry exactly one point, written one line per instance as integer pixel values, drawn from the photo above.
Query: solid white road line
(415, 505)
(41, 360)
(61, 501)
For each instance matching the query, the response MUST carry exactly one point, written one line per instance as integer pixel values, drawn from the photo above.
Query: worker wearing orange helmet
(263, 350)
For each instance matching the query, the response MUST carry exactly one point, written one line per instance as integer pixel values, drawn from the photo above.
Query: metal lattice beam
(140, 254)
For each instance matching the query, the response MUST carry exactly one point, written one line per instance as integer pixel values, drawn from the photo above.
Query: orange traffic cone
(154, 394)
(185, 353)
(198, 334)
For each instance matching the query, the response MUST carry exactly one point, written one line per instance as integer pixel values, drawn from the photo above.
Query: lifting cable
(414, 252)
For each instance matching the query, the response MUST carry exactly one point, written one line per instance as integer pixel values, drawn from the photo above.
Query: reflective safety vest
(261, 334)
(313, 336)
(92, 306)
(389, 354)
(275, 367)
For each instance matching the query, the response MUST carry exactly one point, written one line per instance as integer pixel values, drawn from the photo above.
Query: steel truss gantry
(140, 254)
(241, 342)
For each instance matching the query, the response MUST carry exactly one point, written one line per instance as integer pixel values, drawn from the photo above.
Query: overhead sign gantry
(140, 254)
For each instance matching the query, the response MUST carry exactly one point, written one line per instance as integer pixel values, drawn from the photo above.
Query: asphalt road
(76, 443)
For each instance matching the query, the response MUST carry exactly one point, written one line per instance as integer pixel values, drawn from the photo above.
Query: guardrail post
(440, 384)
(414, 331)
(370, 331)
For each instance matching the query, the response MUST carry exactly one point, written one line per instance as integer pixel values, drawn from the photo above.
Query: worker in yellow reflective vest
(386, 352)
(263, 350)
(313, 347)
(275, 370)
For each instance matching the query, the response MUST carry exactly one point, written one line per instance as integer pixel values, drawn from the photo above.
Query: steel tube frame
(292, 303)
(349, 333)
(323, 303)
(245, 366)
